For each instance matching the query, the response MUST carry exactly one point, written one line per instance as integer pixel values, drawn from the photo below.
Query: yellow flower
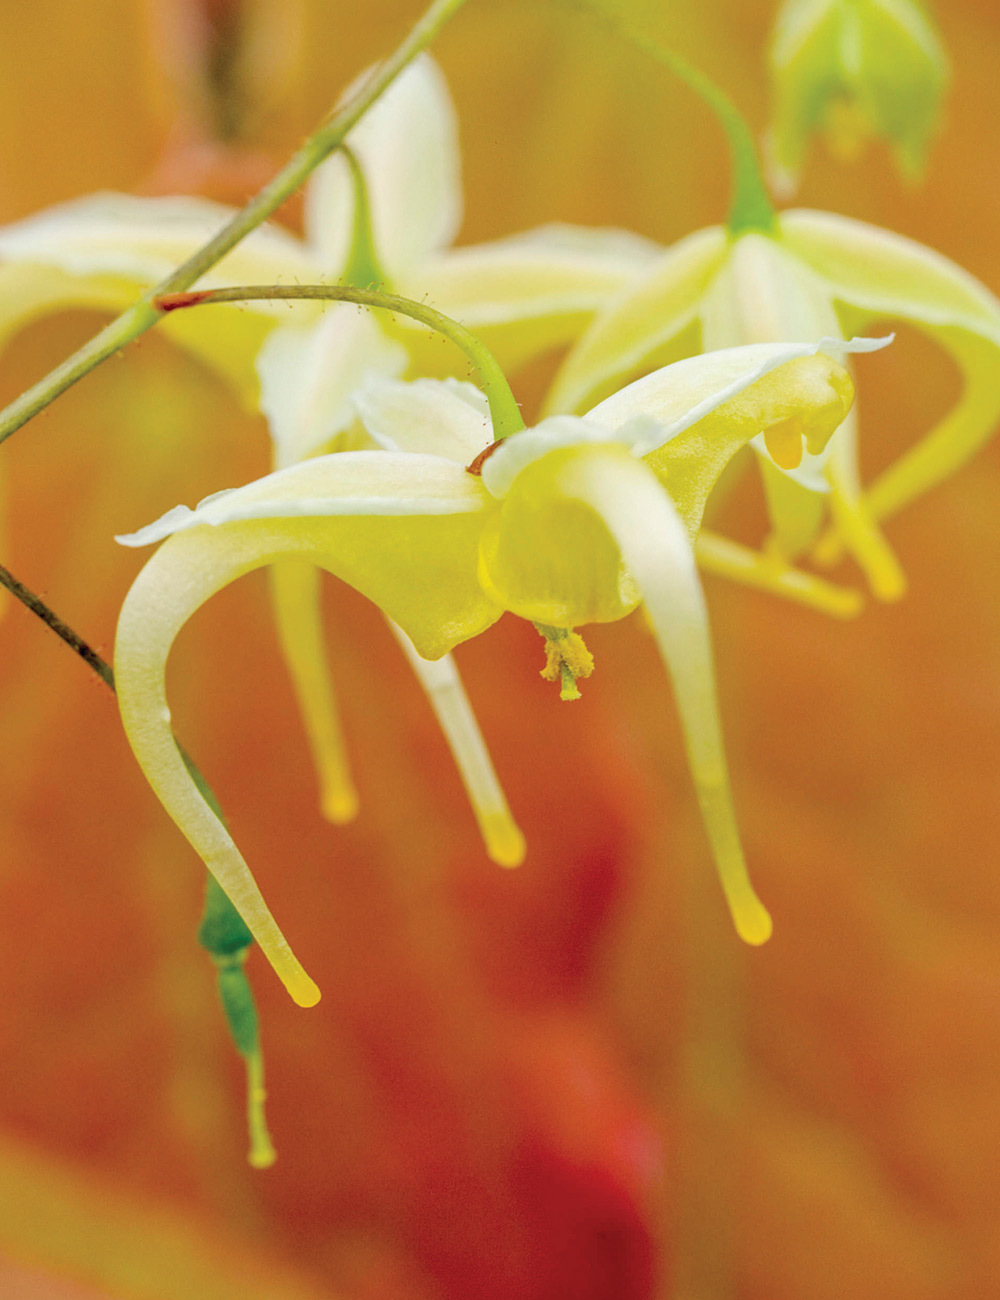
(815, 275)
(574, 521)
(853, 69)
(390, 222)
(523, 295)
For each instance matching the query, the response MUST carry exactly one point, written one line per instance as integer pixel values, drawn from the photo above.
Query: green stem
(222, 932)
(504, 411)
(751, 207)
(139, 318)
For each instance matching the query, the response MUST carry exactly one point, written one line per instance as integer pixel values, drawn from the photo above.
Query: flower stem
(222, 931)
(140, 317)
(504, 411)
(51, 619)
(751, 207)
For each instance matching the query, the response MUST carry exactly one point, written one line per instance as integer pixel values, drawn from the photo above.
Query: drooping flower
(853, 69)
(575, 521)
(812, 275)
(386, 214)
(522, 294)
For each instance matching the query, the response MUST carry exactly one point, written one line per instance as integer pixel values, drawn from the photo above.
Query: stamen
(566, 659)
(295, 591)
(443, 687)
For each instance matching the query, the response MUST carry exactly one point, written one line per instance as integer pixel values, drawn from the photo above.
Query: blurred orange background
(569, 1082)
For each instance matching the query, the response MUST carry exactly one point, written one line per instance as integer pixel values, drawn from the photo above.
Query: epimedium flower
(809, 275)
(574, 521)
(851, 70)
(386, 212)
(798, 275)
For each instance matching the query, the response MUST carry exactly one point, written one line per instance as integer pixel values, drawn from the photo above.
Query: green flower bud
(853, 69)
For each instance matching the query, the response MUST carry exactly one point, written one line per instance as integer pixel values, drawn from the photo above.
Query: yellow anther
(566, 659)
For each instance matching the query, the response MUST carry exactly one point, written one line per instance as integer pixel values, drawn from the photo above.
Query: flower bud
(851, 70)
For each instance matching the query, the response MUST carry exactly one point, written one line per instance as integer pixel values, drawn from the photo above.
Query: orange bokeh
(564, 1083)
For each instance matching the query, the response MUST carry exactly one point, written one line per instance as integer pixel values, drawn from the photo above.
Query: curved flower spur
(574, 521)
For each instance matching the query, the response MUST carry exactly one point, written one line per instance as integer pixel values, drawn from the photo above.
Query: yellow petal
(712, 405)
(402, 529)
(166, 592)
(309, 372)
(768, 571)
(440, 418)
(853, 518)
(548, 557)
(875, 275)
(417, 564)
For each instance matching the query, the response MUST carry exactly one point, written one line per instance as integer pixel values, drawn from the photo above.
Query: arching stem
(142, 316)
(751, 207)
(504, 411)
(222, 932)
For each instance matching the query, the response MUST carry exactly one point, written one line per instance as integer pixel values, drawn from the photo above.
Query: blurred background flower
(569, 1080)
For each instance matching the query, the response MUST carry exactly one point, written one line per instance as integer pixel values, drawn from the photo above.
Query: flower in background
(812, 276)
(853, 70)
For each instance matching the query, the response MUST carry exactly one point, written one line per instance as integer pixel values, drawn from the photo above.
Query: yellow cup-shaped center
(549, 557)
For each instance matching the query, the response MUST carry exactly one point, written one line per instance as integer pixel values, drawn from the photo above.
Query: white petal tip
(834, 346)
(171, 522)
